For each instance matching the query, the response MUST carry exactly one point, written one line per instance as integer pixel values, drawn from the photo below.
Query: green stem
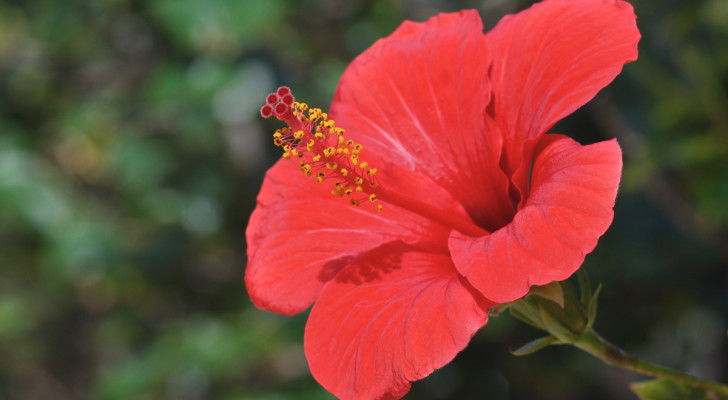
(597, 346)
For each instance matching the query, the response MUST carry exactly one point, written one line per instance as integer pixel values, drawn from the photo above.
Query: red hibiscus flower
(433, 192)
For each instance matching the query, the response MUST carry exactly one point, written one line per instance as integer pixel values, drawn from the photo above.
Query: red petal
(551, 59)
(300, 235)
(569, 208)
(391, 318)
(417, 97)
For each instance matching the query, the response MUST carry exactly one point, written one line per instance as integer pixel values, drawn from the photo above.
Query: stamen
(322, 151)
(321, 148)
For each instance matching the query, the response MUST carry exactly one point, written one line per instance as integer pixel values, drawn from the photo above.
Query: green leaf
(535, 345)
(661, 389)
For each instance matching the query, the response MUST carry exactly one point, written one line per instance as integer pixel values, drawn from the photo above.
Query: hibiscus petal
(300, 235)
(392, 317)
(417, 98)
(549, 60)
(568, 209)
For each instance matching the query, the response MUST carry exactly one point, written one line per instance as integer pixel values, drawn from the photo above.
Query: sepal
(535, 345)
(591, 307)
(551, 291)
(557, 309)
(661, 389)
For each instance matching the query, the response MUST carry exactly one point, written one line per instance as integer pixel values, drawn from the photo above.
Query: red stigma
(266, 111)
(287, 99)
(272, 99)
(278, 104)
(281, 109)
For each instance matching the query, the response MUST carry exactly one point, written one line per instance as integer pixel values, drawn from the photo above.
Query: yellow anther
(380, 208)
(373, 184)
(312, 147)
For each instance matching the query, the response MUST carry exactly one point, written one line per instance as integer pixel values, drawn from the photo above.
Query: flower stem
(597, 346)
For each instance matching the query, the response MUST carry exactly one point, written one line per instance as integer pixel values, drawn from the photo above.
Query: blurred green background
(131, 152)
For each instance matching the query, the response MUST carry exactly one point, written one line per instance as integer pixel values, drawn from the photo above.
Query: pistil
(321, 150)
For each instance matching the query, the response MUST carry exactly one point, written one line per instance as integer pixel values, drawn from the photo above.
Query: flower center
(321, 148)
(323, 151)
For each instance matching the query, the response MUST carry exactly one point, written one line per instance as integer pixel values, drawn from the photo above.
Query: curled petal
(550, 60)
(569, 207)
(393, 316)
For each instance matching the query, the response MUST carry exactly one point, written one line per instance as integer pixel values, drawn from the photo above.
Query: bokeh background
(131, 152)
